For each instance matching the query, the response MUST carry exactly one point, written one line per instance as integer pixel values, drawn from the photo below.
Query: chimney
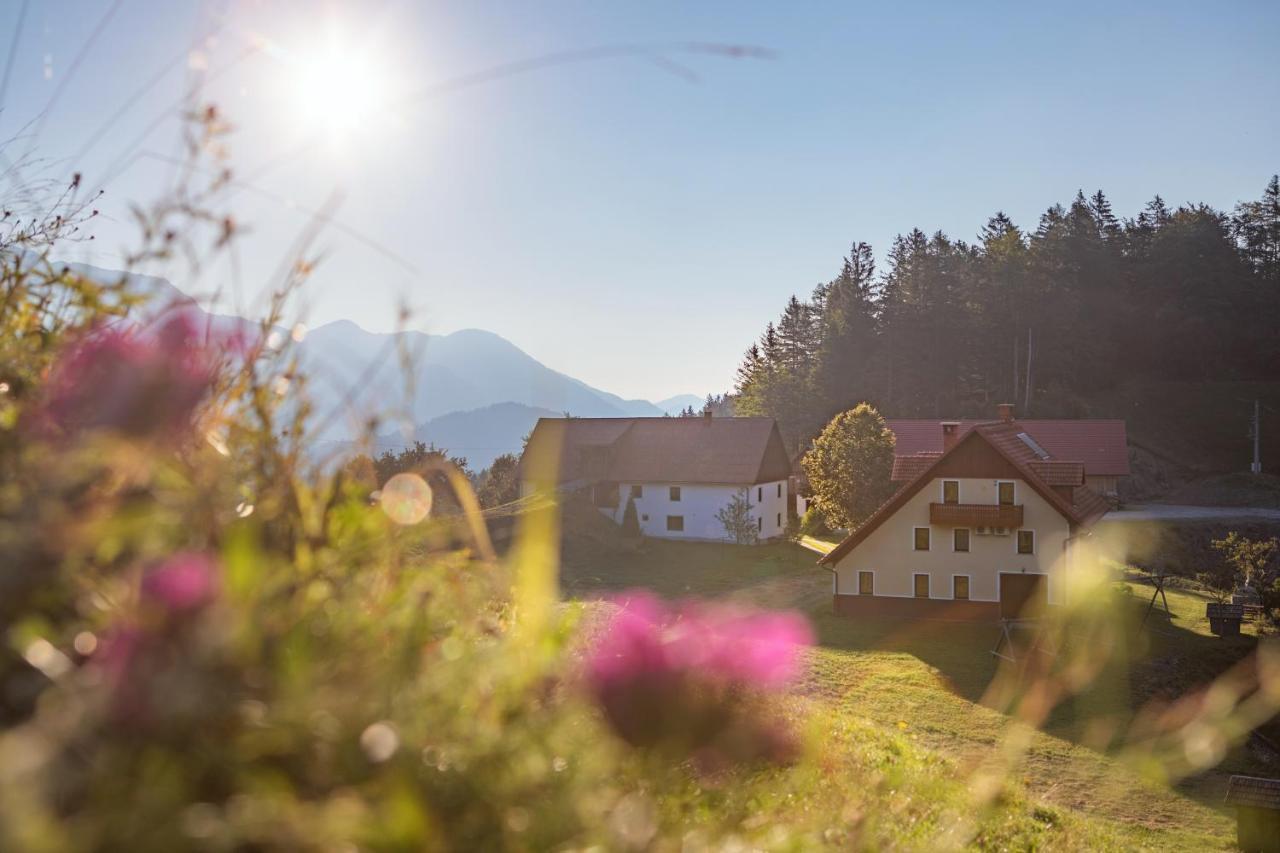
(706, 414)
(950, 434)
(1006, 411)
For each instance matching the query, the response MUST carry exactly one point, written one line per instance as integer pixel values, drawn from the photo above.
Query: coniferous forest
(1046, 317)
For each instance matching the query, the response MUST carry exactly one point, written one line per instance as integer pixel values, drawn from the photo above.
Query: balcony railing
(975, 515)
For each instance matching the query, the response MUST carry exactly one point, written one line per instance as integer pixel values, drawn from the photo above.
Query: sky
(575, 177)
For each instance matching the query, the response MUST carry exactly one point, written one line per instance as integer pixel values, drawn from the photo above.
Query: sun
(339, 89)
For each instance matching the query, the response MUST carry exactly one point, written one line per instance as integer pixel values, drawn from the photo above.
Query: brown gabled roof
(1100, 444)
(664, 450)
(1005, 438)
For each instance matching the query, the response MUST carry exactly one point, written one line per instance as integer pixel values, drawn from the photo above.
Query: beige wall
(889, 553)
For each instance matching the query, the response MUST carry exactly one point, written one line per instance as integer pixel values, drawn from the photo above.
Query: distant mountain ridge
(472, 392)
(677, 404)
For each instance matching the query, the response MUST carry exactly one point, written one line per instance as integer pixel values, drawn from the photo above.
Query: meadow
(936, 686)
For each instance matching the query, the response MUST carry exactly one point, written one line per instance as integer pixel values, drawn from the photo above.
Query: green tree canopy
(849, 466)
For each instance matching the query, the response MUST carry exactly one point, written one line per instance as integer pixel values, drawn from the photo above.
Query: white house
(977, 532)
(678, 472)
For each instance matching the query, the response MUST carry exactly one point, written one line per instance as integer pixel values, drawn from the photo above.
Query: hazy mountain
(677, 404)
(479, 435)
(472, 392)
(464, 371)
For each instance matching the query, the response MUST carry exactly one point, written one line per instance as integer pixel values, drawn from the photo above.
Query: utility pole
(1026, 404)
(1257, 438)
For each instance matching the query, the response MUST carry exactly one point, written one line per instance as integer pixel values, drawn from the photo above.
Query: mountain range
(471, 392)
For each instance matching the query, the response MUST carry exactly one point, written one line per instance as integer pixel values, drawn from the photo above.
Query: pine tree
(1256, 225)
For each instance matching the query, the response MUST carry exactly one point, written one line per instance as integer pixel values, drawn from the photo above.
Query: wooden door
(1023, 596)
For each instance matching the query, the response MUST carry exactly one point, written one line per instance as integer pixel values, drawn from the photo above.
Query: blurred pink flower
(690, 676)
(131, 381)
(182, 583)
(706, 641)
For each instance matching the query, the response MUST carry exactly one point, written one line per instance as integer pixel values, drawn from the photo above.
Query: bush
(812, 523)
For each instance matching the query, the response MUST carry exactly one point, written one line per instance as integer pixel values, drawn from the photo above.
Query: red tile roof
(1058, 473)
(908, 467)
(1101, 445)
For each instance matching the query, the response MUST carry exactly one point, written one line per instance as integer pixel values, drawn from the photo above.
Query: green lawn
(933, 684)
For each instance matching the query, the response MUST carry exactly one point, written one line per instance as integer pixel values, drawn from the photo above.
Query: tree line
(1045, 318)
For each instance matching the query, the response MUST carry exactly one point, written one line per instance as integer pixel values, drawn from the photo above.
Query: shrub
(736, 520)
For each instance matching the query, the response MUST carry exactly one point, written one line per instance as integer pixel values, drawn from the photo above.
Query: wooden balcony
(975, 515)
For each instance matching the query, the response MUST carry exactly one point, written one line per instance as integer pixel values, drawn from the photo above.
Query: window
(922, 539)
(960, 587)
(951, 491)
(1026, 541)
(1005, 492)
(866, 583)
(960, 539)
(759, 493)
(760, 524)
(637, 491)
(675, 522)
(674, 493)
(779, 490)
(779, 519)
(922, 586)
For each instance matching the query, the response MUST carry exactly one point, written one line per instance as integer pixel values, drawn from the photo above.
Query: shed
(1257, 803)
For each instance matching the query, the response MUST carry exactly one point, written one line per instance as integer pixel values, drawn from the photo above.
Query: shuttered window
(960, 587)
(866, 583)
(922, 586)
(1005, 490)
(960, 539)
(674, 493)
(922, 539)
(951, 491)
(675, 522)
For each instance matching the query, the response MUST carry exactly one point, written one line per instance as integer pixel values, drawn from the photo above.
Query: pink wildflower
(183, 583)
(692, 677)
(128, 381)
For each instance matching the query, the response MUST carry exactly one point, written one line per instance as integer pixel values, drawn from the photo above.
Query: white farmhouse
(980, 530)
(678, 472)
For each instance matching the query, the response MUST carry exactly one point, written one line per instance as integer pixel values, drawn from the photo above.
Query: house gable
(975, 455)
(775, 464)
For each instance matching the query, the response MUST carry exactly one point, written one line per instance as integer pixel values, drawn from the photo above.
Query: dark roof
(1084, 507)
(1253, 791)
(1101, 445)
(662, 450)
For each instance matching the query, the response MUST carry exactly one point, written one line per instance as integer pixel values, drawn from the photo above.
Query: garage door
(1022, 595)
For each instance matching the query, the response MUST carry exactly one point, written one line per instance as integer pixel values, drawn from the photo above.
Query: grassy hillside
(925, 691)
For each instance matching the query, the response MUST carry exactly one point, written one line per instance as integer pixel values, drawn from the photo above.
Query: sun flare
(339, 89)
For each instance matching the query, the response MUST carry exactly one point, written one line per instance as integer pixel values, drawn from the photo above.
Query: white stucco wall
(889, 553)
(698, 506)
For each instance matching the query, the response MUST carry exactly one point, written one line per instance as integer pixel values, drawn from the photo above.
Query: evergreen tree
(1257, 227)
